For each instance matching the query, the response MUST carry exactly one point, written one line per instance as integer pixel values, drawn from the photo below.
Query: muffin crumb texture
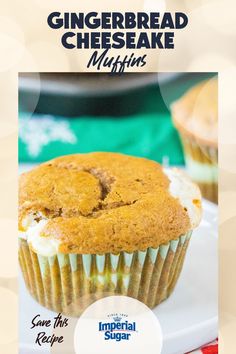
(196, 113)
(101, 202)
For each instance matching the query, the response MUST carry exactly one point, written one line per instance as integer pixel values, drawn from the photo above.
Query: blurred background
(66, 113)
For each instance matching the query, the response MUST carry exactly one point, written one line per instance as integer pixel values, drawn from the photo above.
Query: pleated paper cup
(206, 159)
(69, 283)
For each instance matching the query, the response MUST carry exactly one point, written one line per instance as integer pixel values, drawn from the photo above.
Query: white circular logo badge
(118, 324)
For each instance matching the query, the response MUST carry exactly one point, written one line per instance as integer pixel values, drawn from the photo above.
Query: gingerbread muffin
(195, 115)
(100, 224)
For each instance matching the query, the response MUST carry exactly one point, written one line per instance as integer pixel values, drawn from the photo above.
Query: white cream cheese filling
(201, 172)
(187, 192)
(40, 244)
(180, 187)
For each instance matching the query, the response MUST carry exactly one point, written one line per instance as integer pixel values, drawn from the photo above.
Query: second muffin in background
(195, 115)
(100, 224)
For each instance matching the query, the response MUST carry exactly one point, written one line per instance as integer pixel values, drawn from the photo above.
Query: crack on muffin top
(105, 181)
(102, 182)
(102, 202)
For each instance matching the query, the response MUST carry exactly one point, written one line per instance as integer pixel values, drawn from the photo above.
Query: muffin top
(196, 113)
(104, 202)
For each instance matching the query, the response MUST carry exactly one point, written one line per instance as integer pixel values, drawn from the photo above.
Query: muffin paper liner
(69, 283)
(207, 156)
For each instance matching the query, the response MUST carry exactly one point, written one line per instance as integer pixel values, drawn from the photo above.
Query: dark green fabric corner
(43, 137)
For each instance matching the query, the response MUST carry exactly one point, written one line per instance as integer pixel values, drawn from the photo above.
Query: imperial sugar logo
(118, 328)
(116, 324)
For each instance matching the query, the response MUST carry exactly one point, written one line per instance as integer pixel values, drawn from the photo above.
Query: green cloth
(43, 137)
(135, 122)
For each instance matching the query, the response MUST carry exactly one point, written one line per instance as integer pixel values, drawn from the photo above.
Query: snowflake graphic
(39, 132)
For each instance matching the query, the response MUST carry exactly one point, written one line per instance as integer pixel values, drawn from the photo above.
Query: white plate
(188, 318)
